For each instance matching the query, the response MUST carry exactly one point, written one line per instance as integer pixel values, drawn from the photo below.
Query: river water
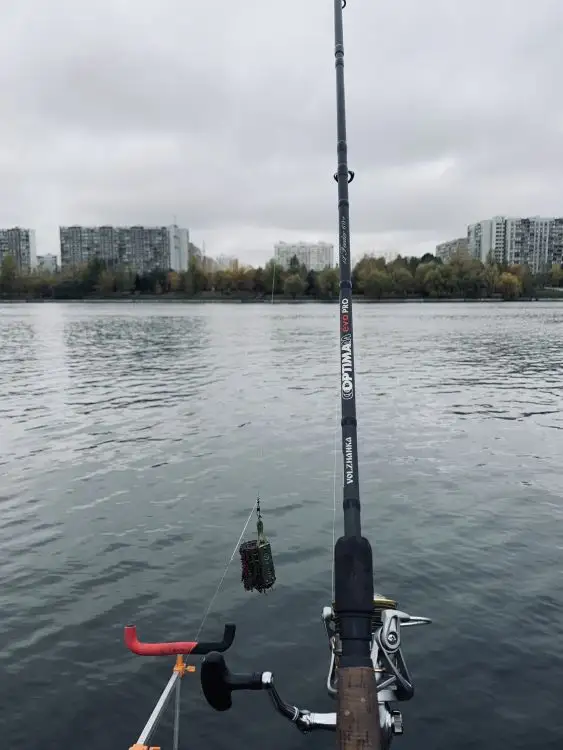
(133, 441)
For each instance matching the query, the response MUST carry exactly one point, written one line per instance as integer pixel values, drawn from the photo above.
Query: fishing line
(226, 571)
(255, 507)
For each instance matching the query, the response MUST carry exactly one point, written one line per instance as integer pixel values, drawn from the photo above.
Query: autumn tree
(8, 274)
(294, 285)
(509, 286)
(328, 281)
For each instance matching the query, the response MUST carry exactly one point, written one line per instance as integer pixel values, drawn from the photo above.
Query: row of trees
(462, 277)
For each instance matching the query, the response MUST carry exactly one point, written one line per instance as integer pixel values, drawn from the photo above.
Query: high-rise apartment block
(225, 263)
(487, 239)
(314, 255)
(194, 253)
(48, 263)
(141, 249)
(536, 241)
(447, 250)
(20, 244)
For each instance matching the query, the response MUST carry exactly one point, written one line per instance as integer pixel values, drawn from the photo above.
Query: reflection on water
(133, 442)
(141, 364)
(508, 374)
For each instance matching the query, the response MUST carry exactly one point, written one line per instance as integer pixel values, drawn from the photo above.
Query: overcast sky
(221, 114)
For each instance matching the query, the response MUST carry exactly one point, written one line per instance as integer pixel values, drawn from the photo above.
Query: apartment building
(21, 245)
(528, 242)
(194, 253)
(447, 250)
(142, 249)
(225, 263)
(179, 248)
(314, 255)
(487, 239)
(48, 263)
(536, 241)
(555, 254)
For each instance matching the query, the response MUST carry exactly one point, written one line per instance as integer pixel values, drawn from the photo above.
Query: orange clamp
(181, 667)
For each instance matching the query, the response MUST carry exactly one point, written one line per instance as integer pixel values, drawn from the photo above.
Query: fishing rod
(367, 671)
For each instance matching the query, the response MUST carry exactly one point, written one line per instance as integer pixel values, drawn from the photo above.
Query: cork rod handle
(357, 722)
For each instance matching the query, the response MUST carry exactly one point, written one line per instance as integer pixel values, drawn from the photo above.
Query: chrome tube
(158, 710)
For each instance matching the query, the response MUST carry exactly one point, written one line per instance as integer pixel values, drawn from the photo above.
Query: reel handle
(218, 682)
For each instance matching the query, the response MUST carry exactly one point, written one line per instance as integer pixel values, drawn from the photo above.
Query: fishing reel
(393, 680)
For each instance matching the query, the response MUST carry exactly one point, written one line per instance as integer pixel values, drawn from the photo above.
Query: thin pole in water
(273, 281)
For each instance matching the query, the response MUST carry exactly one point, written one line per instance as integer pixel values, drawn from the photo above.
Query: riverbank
(281, 300)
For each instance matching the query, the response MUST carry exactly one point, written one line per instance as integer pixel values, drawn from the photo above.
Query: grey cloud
(223, 115)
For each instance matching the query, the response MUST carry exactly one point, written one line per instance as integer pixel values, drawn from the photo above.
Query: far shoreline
(166, 299)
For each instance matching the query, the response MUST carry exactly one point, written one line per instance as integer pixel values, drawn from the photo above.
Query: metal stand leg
(154, 718)
(177, 715)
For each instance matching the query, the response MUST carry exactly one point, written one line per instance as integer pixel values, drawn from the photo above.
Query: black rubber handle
(227, 642)
(217, 682)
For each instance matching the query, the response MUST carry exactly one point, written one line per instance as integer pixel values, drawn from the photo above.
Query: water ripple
(135, 438)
